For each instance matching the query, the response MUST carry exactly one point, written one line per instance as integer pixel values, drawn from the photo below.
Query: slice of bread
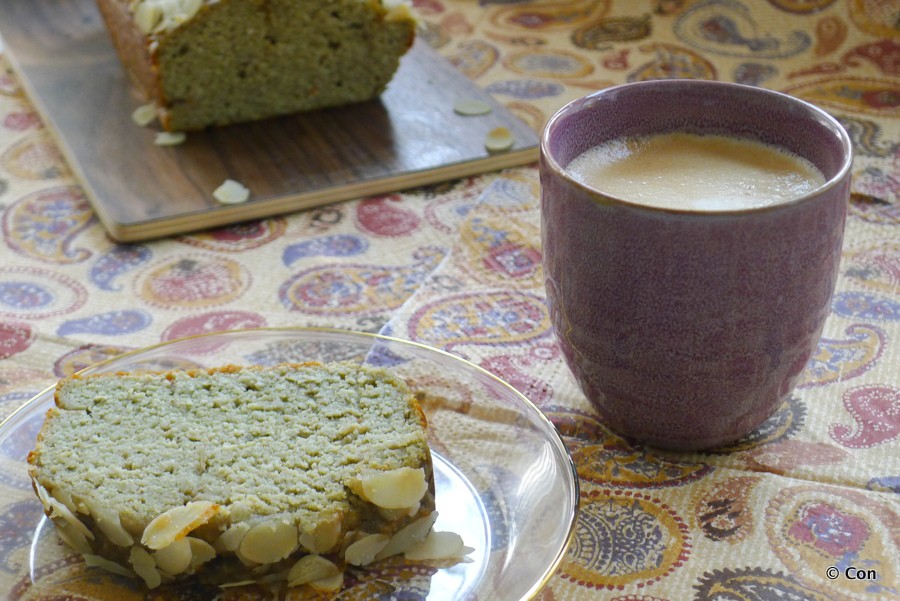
(215, 62)
(236, 473)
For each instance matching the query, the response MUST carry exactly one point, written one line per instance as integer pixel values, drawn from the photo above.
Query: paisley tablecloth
(807, 507)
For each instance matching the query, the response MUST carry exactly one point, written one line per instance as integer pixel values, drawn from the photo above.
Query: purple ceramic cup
(686, 329)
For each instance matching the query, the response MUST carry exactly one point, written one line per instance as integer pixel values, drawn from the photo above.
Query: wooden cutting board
(408, 137)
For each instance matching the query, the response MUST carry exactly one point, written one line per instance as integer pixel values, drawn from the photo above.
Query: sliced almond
(270, 541)
(395, 515)
(77, 502)
(239, 512)
(59, 513)
(262, 569)
(147, 16)
(408, 536)
(278, 579)
(144, 115)
(73, 502)
(43, 496)
(201, 552)
(169, 138)
(470, 107)
(153, 16)
(394, 489)
(400, 11)
(231, 192)
(95, 561)
(145, 566)
(165, 578)
(363, 551)
(391, 515)
(73, 537)
(189, 8)
(310, 568)
(247, 562)
(109, 524)
(174, 558)
(176, 523)
(323, 537)
(499, 139)
(231, 539)
(237, 584)
(330, 584)
(438, 545)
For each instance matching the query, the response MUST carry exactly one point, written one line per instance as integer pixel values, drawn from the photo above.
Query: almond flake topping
(62, 515)
(439, 545)
(322, 537)
(154, 16)
(231, 539)
(109, 523)
(201, 552)
(330, 584)
(408, 536)
(363, 551)
(176, 523)
(144, 115)
(270, 541)
(311, 568)
(145, 566)
(397, 10)
(174, 558)
(394, 489)
(95, 561)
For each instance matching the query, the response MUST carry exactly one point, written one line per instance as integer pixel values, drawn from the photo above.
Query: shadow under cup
(688, 329)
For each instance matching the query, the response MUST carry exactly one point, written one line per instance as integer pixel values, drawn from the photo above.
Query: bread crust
(133, 48)
(195, 81)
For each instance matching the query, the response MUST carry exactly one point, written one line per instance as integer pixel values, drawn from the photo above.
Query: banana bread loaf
(214, 62)
(283, 473)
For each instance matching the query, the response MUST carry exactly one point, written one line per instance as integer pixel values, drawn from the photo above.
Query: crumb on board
(231, 192)
(144, 115)
(169, 138)
(498, 140)
(470, 107)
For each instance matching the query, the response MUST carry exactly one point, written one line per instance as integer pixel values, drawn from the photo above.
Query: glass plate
(504, 479)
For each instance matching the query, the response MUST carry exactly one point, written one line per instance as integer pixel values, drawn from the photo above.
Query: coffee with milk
(679, 170)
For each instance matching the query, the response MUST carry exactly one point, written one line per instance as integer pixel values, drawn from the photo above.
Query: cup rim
(611, 199)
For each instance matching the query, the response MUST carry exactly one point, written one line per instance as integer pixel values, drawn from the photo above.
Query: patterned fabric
(457, 266)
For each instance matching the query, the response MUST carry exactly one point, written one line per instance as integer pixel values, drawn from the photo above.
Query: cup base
(702, 441)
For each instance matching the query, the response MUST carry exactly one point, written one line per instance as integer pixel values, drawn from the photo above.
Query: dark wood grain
(408, 137)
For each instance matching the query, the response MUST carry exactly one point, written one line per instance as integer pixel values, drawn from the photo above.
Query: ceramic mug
(687, 329)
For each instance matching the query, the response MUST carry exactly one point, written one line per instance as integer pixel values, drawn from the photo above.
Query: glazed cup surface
(687, 329)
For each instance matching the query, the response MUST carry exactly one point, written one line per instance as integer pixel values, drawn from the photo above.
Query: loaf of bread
(214, 62)
(280, 474)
